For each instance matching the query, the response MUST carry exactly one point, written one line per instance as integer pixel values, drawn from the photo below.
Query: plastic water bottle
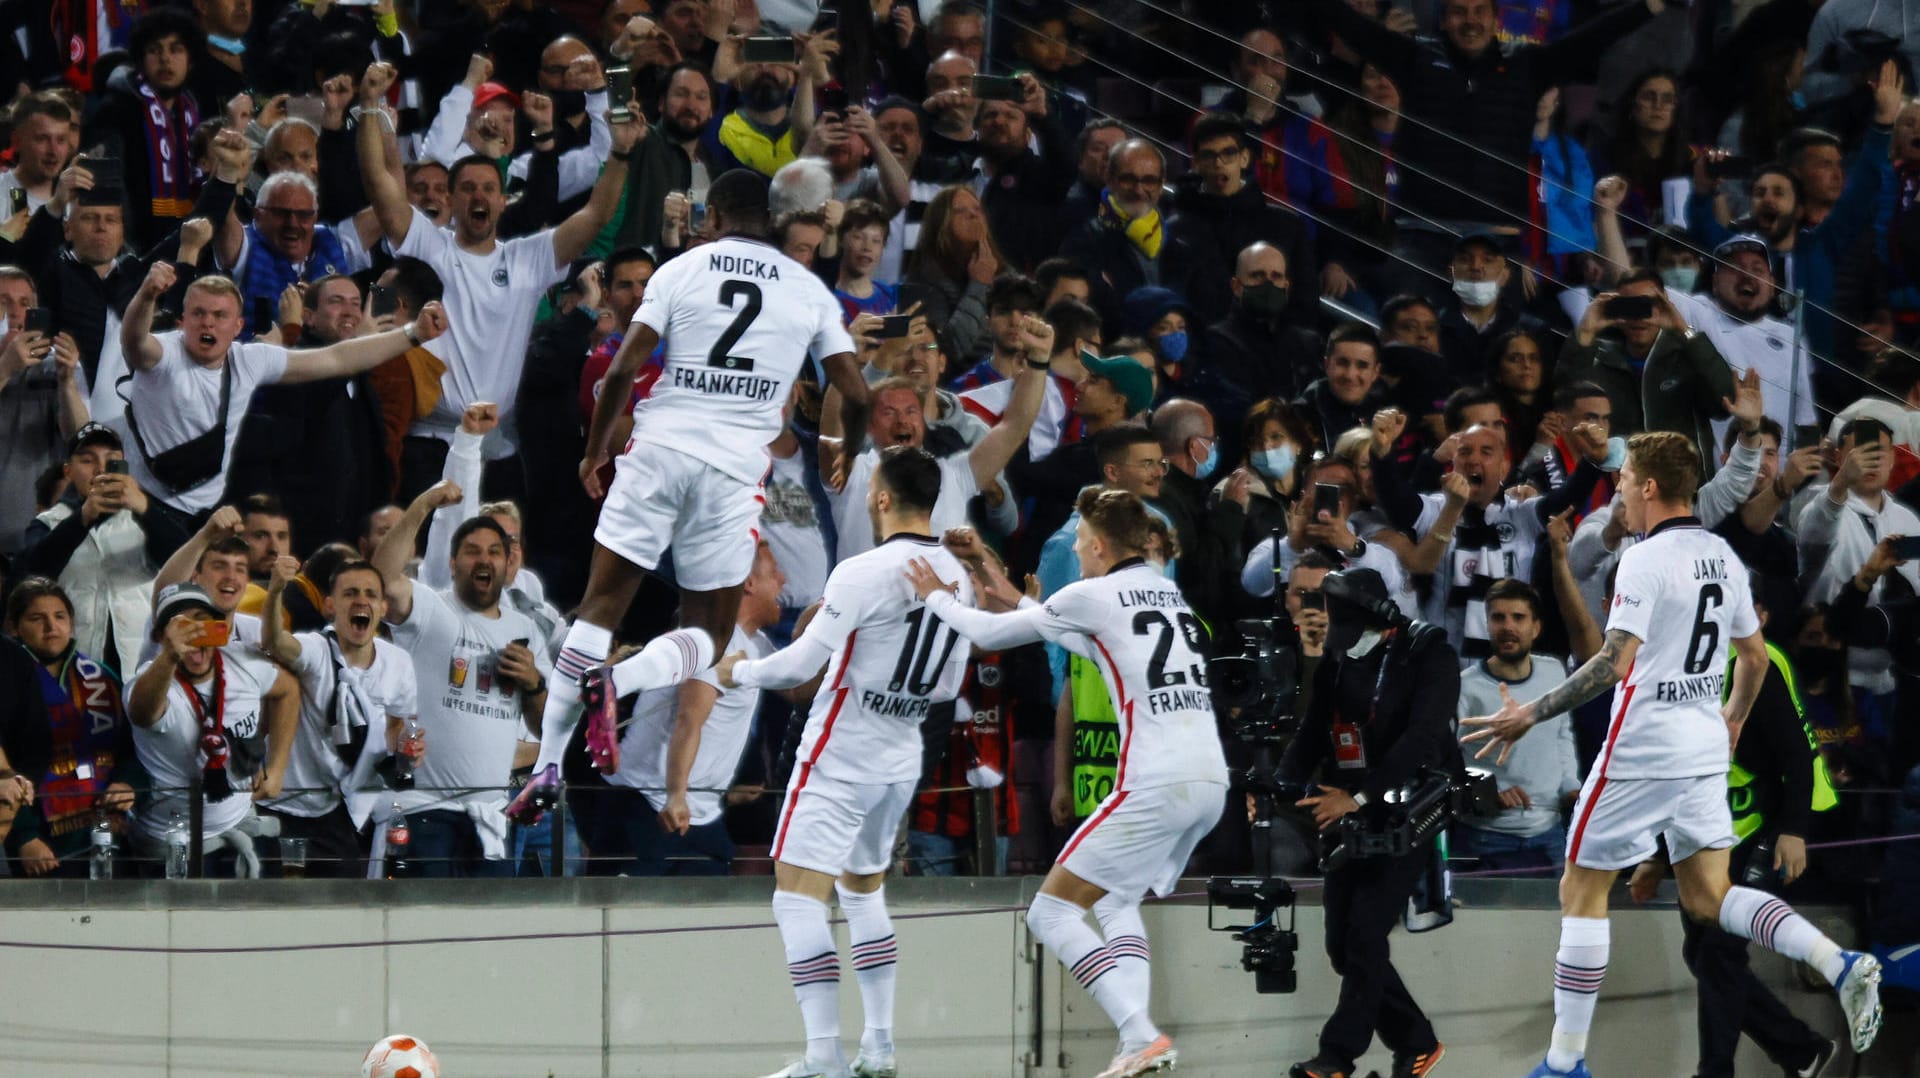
(397, 839)
(100, 865)
(177, 841)
(403, 760)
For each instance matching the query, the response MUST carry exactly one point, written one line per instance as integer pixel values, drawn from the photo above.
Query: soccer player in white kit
(1663, 769)
(1171, 782)
(739, 319)
(888, 661)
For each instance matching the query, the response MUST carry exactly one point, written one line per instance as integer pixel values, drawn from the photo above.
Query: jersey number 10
(918, 672)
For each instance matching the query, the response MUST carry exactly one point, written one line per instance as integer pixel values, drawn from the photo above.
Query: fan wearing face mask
(1478, 317)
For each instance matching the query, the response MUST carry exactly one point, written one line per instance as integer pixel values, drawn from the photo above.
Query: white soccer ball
(400, 1056)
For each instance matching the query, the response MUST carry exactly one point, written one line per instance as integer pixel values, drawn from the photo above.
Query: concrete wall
(703, 992)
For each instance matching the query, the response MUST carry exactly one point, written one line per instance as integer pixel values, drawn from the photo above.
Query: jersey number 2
(918, 671)
(1158, 676)
(728, 292)
(1706, 634)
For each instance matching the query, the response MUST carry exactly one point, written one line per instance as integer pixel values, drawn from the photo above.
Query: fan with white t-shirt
(178, 400)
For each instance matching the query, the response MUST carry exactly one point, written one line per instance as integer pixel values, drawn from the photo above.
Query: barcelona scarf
(84, 712)
(172, 179)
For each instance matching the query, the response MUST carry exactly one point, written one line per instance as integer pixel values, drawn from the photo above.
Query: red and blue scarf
(173, 182)
(84, 710)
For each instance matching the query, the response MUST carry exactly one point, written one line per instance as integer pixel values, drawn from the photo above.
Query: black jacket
(1023, 200)
(1116, 268)
(1209, 531)
(1226, 225)
(25, 734)
(1263, 358)
(552, 441)
(320, 446)
(1408, 729)
(1333, 418)
(1465, 347)
(1472, 129)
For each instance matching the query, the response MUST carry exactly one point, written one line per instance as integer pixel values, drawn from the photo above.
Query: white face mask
(1477, 293)
(1368, 641)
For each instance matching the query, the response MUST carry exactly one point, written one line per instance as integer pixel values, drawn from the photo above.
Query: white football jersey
(739, 319)
(723, 737)
(892, 661)
(1134, 624)
(1683, 592)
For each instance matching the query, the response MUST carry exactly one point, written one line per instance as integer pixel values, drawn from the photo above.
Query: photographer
(1380, 713)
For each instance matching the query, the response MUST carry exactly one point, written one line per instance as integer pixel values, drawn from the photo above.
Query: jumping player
(860, 759)
(1664, 765)
(1171, 784)
(738, 318)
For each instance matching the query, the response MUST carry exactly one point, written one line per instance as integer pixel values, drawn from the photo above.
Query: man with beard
(1125, 245)
(44, 134)
(1222, 210)
(357, 693)
(1811, 252)
(1024, 186)
(147, 122)
(1497, 535)
(1659, 372)
(284, 245)
(860, 159)
(93, 771)
(1740, 326)
(211, 710)
(495, 286)
(1259, 347)
(1539, 780)
(673, 158)
(480, 685)
(759, 134)
(319, 446)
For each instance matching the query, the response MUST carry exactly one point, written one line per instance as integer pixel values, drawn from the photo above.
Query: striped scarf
(172, 180)
(84, 712)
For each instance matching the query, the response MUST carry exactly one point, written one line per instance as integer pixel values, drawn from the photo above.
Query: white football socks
(668, 659)
(1771, 923)
(1062, 927)
(813, 964)
(875, 962)
(1578, 968)
(586, 647)
(1127, 945)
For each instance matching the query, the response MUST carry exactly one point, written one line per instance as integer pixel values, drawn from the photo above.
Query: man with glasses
(1127, 244)
(284, 245)
(1221, 212)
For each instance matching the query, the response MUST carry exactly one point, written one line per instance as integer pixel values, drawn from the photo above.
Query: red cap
(489, 92)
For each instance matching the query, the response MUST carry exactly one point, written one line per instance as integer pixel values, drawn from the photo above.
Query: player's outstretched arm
(1008, 630)
(1595, 676)
(844, 375)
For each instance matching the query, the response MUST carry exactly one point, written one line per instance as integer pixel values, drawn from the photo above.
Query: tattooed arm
(1595, 676)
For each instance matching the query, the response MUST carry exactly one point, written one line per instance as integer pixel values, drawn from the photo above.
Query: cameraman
(1381, 712)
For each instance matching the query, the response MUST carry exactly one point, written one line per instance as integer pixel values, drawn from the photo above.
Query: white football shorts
(1140, 840)
(1616, 821)
(662, 498)
(832, 826)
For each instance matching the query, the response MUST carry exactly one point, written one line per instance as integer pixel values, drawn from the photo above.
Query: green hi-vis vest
(1741, 798)
(1096, 736)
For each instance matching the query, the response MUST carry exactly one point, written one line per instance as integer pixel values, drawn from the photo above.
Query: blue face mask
(1275, 464)
(1798, 100)
(1213, 456)
(1174, 346)
(236, 46)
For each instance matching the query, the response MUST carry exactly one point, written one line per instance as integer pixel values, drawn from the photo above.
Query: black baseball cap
(94, 434)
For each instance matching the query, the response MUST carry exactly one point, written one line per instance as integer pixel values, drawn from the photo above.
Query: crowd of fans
(294, 290)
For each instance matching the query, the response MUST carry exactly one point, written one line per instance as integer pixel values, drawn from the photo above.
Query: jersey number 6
(1706, 634)
(728, 291)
